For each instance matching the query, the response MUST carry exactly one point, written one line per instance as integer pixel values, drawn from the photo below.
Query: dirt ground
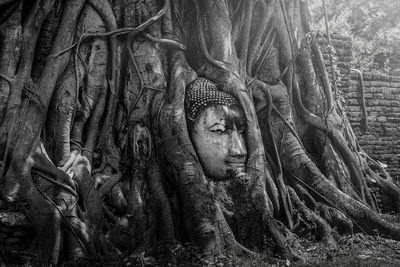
(353, 250)
(356, 250)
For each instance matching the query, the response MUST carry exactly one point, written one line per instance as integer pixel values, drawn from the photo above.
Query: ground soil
(351, 250)
(356, 250)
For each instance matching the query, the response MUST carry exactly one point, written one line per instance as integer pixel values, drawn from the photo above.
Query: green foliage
(374, 26)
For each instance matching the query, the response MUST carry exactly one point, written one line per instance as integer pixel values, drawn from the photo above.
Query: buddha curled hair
(201, 94)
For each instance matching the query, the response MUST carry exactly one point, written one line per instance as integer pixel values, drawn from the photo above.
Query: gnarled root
(296, 161)
(322, 228)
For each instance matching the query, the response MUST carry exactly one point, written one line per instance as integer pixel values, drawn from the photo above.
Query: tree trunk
(97, 156)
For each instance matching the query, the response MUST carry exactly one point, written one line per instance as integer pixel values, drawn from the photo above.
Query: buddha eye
(218, 129)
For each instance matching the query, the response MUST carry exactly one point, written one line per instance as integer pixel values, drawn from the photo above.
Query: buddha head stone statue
(216, 126)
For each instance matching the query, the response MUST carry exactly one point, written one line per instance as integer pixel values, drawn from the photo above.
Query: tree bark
(96, 156)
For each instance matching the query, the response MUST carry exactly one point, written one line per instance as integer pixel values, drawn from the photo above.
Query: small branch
(7, 78)
(125, 30)
(139, 28)
(148, 36)
(42, 174)
(134, 63)
(106, 13)
(63, 51)
(164, 41)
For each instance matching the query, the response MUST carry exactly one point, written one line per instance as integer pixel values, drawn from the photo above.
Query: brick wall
(382, 101)
(382, 98)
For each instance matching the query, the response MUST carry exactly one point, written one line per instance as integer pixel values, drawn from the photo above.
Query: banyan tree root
(116, 170)
(365, 219)
(254, 194)
(321, 227)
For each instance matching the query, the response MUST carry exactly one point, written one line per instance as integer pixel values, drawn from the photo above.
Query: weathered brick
(381, 119)
(368, 95)
(382, 98)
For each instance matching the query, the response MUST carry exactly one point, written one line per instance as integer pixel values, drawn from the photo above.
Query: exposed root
(109, 181)
(323, 230)
(308, 174)
(67, 165)
(150, 185)
(336, 219)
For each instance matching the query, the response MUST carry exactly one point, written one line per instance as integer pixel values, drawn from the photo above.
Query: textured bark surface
(96, 157)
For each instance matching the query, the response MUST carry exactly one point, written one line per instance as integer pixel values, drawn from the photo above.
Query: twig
(7, 78)
(131, 30)
(63, 51)
(43, 175)
(164, 41)
(116, 32)
(132, 57)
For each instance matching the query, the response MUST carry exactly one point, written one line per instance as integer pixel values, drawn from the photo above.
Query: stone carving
(216, 127)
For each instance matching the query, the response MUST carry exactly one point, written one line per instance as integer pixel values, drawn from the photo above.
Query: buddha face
(218, 137)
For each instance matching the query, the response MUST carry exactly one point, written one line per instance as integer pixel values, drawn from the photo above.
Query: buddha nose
(238, 146)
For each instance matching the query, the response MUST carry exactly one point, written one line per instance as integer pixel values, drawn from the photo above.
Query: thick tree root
(323, 231)
(365, 219)
(126, 105)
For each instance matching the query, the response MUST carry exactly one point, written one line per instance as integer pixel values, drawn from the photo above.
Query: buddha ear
(189, 124)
